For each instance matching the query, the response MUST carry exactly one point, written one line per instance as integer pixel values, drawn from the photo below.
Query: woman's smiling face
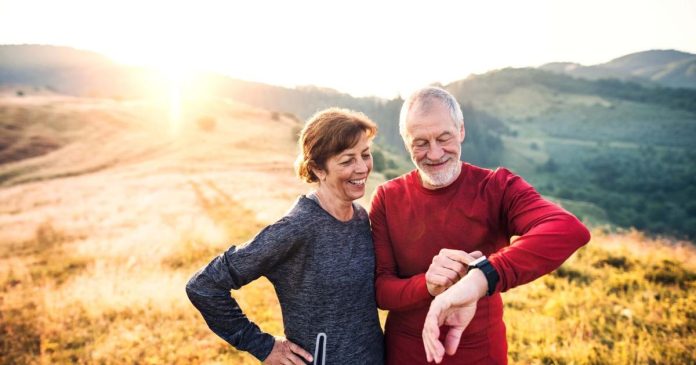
(346, 173)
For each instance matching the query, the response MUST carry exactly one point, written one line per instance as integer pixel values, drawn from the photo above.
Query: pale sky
(374, 47)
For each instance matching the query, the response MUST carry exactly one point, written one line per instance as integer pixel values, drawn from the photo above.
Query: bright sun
(177, 71)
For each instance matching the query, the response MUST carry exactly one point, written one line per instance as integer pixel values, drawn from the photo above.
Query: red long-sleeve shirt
(481, 211)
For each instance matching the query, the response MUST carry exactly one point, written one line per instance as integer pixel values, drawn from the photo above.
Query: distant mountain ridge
(612, 148)
(668, 68)
(72, 71)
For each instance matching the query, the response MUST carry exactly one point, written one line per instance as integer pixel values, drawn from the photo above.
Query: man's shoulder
(396, 187)
(490, 180)
(398, 183)
(484, 174)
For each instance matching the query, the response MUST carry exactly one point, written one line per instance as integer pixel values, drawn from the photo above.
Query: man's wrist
(478, 282)
(488, 271)
(469, 289)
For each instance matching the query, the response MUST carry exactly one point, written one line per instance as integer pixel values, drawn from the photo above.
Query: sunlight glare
(175, 83)
(178, 74)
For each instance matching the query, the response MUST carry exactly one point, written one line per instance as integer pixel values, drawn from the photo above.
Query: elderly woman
(319, 258)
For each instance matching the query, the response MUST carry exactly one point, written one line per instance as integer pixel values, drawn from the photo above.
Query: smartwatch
(489, 272)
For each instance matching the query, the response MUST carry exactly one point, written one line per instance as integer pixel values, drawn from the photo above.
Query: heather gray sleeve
(209, 289)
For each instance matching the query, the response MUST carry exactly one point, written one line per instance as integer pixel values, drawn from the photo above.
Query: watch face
(478, 261)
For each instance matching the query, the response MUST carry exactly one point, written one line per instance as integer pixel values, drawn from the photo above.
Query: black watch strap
(489, 272)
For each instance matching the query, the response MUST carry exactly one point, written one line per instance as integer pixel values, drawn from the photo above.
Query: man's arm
(548, 233)
(392, 292)
(548, 236)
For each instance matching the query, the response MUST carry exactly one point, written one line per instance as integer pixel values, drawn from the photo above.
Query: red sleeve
(548, 233)
(392, 292)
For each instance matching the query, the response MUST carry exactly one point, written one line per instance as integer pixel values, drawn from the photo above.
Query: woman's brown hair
(326, 134)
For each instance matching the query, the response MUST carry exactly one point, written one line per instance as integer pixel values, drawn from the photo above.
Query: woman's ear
(319, 173)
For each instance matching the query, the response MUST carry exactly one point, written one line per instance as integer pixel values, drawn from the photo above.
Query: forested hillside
(611, 151)
(620, 146)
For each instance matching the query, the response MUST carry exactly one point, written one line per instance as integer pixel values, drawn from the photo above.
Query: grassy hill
(107, 215)
(99, 233)
(613, 152)
(620, 149)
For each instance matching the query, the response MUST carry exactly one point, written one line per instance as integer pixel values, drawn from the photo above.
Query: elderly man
(449, 223)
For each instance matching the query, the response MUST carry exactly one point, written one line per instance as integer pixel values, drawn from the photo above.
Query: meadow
(100, 231)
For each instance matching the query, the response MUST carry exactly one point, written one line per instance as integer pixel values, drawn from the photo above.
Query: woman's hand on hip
(287, 353)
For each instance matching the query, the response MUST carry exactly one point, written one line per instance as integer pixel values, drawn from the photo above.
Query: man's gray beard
(441, 178)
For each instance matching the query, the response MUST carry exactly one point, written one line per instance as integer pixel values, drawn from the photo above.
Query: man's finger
(454, 335)
(459, 255)
(456, 267)
(447, 272)
(430, 333)
(440, 280)
(446, 262)
(439, 352)
(300, 351)
(426, 344)
(432, 349)
(476, 254)
(434, 277)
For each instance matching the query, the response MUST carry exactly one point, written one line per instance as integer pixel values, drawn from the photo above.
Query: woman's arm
(209, 289)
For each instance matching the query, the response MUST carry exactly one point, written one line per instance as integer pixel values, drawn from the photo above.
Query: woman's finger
(300, 351)
(294, 359)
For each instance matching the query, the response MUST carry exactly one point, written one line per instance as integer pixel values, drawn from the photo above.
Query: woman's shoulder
(290, 229)
(303, 209)
(301, 215)
(360, 212)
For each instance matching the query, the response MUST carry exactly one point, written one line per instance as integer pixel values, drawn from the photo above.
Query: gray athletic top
(323, 273)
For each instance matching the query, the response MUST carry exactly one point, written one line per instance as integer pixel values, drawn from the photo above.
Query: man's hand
(287, 353)
(455, 308)
(447, 268)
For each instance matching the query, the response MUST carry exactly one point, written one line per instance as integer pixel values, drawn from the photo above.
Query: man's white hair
(423, 98)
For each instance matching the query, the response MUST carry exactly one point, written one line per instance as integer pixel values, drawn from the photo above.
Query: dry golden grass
(623, 299)
(98, 238)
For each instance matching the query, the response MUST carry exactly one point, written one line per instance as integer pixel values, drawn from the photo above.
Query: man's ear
(462, 133)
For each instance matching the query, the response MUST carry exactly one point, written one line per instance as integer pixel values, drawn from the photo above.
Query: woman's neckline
(317, 201)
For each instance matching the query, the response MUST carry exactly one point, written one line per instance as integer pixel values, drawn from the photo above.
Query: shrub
(206, 123)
